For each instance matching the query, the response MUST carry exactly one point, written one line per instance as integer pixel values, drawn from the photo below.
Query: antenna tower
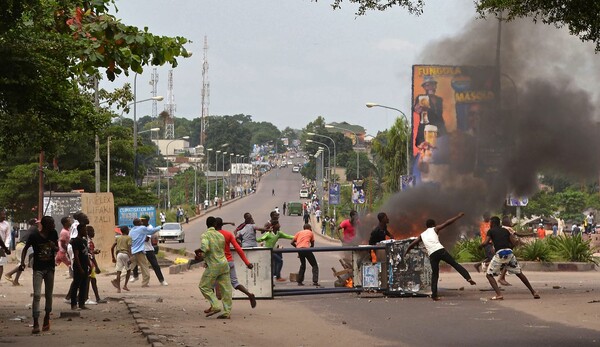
(170, 107)
(205, 95)
(154, 84)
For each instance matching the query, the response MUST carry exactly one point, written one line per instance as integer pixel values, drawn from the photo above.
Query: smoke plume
(549, 118)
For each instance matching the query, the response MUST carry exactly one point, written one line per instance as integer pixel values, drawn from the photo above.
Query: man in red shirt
(349, 228)
(306, 239)
(541, 232)
(230, 239)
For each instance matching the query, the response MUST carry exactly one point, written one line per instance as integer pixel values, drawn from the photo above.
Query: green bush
(468, 251)
(574, 248)
(538, 250)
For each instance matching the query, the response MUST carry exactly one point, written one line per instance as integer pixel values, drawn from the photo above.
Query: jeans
(277, 262)
(435, 259)
(48, 277)
(304, 256)
(79, 284)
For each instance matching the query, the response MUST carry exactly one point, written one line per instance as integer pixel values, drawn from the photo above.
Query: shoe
(478, 267)
(35, 330)
(133, 280)
(300, 283)
(224, 316)
(252, 298)
(145, 286)
(83, 308)
(67, 301)
(316, 284)
(102, 301)
(164, 283)
(281, 279)
(90, 302)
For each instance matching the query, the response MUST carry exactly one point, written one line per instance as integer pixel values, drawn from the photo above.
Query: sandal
(436, 298)
(497, 297)
(35, 330)
(536, 296)
(212, 312)
(252, 300)
(224, 316)
(470, 280)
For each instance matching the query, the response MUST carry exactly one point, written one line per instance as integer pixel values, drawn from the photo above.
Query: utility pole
(205, 95)
(97, 142)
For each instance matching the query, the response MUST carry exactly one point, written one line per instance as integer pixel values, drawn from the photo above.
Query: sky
(288, 62)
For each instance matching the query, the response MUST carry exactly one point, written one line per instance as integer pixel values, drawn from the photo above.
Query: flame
(349, 283)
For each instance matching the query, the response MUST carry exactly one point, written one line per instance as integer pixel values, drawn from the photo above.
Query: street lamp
(223, 182)
(329, 126)
(334, 150)
(207, 179)
(408, 126)
(135, 132)
(169, 175)
(217, 177)
(328, 152)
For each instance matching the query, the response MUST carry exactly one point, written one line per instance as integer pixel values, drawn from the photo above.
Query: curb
(150, 335)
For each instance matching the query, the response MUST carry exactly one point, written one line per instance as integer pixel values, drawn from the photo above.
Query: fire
(349, 283)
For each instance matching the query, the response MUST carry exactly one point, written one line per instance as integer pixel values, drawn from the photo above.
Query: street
(567, 315)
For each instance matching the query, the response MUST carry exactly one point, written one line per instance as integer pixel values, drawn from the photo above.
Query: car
(291, 156)
(294, 207)
(290, 162)
(172, 232)
(295, 169)
(304, 193)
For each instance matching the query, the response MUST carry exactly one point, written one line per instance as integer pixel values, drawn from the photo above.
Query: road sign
(128, 213)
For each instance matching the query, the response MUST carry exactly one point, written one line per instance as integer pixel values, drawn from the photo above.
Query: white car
(295, 169)
(304, 193)
(171, 231)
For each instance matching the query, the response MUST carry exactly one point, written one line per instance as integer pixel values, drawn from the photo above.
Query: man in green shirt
(212, 251)
(270, 238)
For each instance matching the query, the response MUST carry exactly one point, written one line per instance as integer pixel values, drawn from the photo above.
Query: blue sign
(128, 213)
(516, 201)
(334, 194)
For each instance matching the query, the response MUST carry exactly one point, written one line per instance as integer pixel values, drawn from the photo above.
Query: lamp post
(334, 151)
(217, 169)
(223, 177)
(319, 173)
(208, 150)
(328, 153)
(168, 207)
(329, 126)
(135, 132)
(408, 126)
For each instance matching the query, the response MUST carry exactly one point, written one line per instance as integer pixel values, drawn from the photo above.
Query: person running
(212, 251)
(230, 240)
(45, 246)
(31, 230)
(504, 258)
(306, 239)
(270, 239)
(437, 253)
(138, 235)
(246, 232)
(349, 227)
(121, 256)
(63, 243)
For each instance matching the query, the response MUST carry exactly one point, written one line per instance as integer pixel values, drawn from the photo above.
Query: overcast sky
(289, 61)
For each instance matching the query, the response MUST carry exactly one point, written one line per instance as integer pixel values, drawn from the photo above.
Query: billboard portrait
(452, 106)
(358, 193)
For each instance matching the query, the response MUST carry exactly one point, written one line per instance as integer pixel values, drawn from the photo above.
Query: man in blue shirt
(138, 235)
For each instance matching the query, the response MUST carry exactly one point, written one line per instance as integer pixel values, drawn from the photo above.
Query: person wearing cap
(150, 255)
(431, 113)
(138, 235)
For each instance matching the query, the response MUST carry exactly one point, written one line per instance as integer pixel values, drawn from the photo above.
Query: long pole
(41, 186)
(217, 177)
(223, 178)
(135, 128)
(108, 164)
(97, 141)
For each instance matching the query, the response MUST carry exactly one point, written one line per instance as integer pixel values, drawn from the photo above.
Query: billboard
(334, 194)
(358, 193)
(455, 122)
(128, 213)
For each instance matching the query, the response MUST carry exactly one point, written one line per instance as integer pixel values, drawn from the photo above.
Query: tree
(390, 146)
(581, 17)
(572, 203)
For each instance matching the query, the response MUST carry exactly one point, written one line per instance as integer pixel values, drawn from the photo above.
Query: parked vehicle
(304, 194)
(295, 169)
(171, 231)
(294, 207)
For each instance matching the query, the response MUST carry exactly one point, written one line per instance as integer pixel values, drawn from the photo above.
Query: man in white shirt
(5, 238)
(437, 253)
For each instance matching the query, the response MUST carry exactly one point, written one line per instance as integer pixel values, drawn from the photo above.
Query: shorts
(62, 257)
(233, 275)
(92, 271)
(122, 262)
(504, 258)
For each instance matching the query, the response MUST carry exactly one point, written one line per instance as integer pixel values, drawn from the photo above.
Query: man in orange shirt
(306, 239)
(484, 226)
(541, 232)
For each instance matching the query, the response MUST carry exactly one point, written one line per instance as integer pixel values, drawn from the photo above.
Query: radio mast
(154, 84)
(170, 107)
(205, 95)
